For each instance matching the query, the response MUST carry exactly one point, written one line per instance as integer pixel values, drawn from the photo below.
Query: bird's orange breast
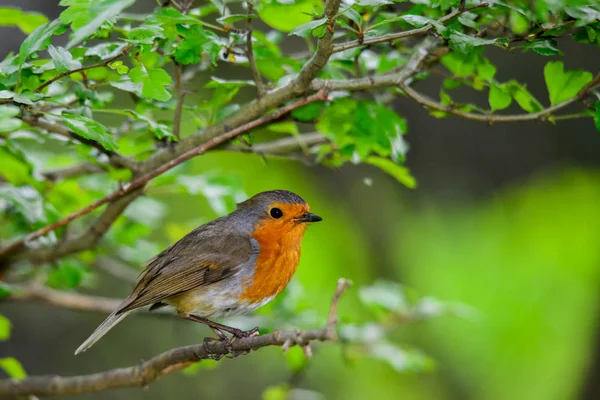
(277, 260)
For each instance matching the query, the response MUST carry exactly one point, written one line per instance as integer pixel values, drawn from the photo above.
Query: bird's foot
(209, 354)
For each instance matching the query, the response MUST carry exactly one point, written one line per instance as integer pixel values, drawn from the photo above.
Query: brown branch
(103, 63)
(72, 171)
(284, 145)
(168, 362)
(260, 88)
(141, 181)
(400, 35)
(36, 292)
(542, 115)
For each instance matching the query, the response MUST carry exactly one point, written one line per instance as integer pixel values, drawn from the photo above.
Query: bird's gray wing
(202, 257)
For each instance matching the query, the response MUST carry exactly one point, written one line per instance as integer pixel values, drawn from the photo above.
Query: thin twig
(167, 362)
(103, 63)
(72, 171)
(141, 181)
(543, 115)
(260, 89)
(400, 35)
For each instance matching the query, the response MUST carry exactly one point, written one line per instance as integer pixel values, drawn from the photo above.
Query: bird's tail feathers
(101, 330)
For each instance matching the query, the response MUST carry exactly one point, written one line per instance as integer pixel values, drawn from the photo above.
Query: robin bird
(230, 266)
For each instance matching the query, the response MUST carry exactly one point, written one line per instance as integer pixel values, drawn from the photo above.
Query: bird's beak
(309, 217)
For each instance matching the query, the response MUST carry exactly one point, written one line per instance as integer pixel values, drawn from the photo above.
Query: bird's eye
(276, 213)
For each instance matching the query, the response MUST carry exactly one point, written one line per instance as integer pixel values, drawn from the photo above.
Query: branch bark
(169, 361)
(543, 115)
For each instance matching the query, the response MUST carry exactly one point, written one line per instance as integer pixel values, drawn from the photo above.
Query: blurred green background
(505, 224)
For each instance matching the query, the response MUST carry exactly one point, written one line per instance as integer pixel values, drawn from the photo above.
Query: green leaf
(499, 98)
(38, 39)
(119, 67)
(4, 328)
(522, 96)
(399, 359)
(233, 18)
(285, 17)
(465, 44)
(90, 129)
(6, 94)
(309, 112)
(278, 392)
(91, 17)
(66, 276)
(13, 368)
(63, 60)
(399, 172)
(545, 47)
(8, 112)
(27, 97)
(26, 21)
(145, 34)
(353, 15)
(387, 295)
(563, 85)
(305, 29)
(196, 42)
(518, 22)
(153, 82)
(460, 64)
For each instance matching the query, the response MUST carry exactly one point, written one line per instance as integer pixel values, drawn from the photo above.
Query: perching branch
(170, 361)
(103, 63)
(142, 180)
(72, 171)
(400, 35)
(543, 115)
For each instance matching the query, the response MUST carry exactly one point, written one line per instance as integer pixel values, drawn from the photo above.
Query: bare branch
(141, 181)
(260, 88)
(283, 146)
(36, 292)
(543, 115)
(167, 362)
(400, 35)
(72, 171)
(103, 63)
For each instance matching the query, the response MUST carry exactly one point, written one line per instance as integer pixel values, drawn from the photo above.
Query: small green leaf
(38, 39)
(13, 368)
(465, 44)
(63, 60)
(279, 392)
(119, 67)
(26, 21)
(93, 16)
(233, 18)
(4, 328)
(285, 16)
(353, 15)
(153, 82)
(27, 97)
(196, 43)
(6, 94)
(8, 112)
(563, 85)
(518, 22)
(90, 129)
(66, 276)
(309, 112)
(522, 96)
(499, 98)
(145, 34)
(305, 29)
(399, 172)
(545, 47)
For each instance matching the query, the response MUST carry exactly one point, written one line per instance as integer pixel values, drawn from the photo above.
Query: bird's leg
(220, 328)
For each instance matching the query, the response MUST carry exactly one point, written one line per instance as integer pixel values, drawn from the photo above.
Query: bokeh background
(506, 219)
